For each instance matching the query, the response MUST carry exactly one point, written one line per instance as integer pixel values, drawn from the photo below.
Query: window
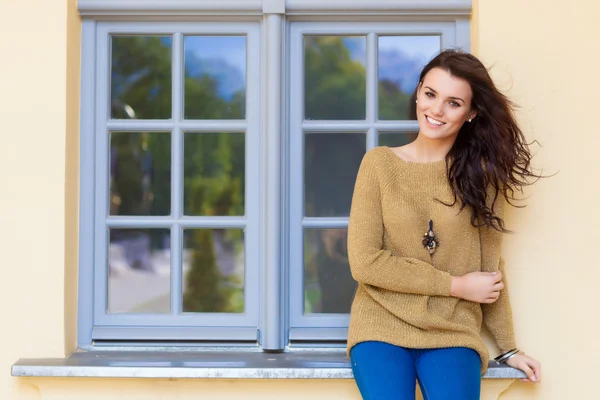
(351, 90)
(185, 193)
(175, 144)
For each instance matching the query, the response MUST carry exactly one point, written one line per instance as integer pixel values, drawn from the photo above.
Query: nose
(438, 108)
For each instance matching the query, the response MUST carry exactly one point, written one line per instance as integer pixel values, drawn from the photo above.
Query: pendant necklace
(430, 242)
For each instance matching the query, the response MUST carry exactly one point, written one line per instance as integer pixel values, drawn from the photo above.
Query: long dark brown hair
(490, 155)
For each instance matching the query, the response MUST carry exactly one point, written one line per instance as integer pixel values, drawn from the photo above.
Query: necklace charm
(430, 242)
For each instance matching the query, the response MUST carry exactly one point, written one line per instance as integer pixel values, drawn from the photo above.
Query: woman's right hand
(479, 287)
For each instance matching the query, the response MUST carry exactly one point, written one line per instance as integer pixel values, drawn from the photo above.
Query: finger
(525, 380)
(494, 296)
(537, 370)
(528, 371)
(498, 286)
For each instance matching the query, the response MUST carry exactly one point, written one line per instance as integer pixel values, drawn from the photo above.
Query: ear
(472, 115)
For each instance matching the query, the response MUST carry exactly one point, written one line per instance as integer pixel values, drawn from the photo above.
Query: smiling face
(443, 105)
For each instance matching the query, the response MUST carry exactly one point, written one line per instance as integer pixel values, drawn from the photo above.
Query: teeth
(434, 121)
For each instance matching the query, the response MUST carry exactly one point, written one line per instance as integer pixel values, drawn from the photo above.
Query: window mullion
(372, 82)
(372, 102)
(177, 77)
(177, 175)
(272, 335)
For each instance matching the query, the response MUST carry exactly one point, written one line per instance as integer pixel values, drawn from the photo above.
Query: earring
(416, 101)
(469, 120)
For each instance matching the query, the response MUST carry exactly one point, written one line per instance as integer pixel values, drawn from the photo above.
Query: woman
(424, 242)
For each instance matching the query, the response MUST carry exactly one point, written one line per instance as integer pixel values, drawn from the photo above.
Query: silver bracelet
(502, 358)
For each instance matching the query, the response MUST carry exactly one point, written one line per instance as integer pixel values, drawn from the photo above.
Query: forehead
(447, 85)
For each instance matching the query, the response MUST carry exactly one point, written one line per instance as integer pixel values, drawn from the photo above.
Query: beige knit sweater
(403, 295)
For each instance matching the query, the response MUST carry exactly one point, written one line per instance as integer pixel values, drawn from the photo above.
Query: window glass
(140, 173)
(214, 174)
(215, 77)
(140, 78)
(331, 162)
(139, 271)
(213, 270)
(328, 283)
(396, 139)
(335, 77)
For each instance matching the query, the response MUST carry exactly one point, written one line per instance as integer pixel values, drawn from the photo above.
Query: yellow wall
(542, 53)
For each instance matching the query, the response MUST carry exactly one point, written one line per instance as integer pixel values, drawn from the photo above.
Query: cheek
(421, 107)
(457, 116)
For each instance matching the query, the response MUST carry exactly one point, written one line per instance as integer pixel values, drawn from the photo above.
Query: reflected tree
(335, 84)
(214, 185)
(141, 88)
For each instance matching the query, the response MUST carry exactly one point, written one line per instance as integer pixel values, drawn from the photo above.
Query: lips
(434, 121)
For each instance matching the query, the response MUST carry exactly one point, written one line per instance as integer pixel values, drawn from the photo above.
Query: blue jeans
(386, 372)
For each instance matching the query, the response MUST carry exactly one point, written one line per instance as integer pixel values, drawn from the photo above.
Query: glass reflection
(215, 77)
(328, 283)
(140, 173)
(396, 139)
(139, 271)
(335, 77)
(213, 270)
(214, 173)
(400, 61)
(141, 77)
(331, 162)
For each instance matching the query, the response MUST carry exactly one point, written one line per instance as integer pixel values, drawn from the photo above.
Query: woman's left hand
(530, 366)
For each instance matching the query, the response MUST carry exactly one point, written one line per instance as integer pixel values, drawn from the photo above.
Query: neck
(428, 150)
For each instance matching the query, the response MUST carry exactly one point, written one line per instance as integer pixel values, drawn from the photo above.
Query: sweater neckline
(429, 164)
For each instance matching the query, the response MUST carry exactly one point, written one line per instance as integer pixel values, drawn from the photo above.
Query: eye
(454, 104)
(429, 94)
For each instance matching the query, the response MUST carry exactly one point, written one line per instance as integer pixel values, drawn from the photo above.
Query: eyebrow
(452, 97)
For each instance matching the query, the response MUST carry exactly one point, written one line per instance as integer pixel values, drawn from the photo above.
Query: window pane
(396, 139)
(331, 162)
(139, 271)
(215, 77)
(214, 173)
(213, 270)
(328, 283)
(141, 77)
(140, 173)
(335, 77)
(400, 61)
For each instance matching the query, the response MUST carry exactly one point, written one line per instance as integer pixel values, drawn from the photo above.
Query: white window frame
(96, 123)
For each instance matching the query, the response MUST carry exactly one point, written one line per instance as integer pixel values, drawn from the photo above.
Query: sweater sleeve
(497, 317)
(370, 264)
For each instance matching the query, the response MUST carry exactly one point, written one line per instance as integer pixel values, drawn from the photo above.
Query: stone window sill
(206, 364)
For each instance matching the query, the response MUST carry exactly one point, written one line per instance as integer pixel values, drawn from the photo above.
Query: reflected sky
(221, 57)
(419, 47)
(401, 58)
(357, 47)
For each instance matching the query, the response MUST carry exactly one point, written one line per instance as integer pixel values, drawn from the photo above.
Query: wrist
(503, 358)
(456, 286)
